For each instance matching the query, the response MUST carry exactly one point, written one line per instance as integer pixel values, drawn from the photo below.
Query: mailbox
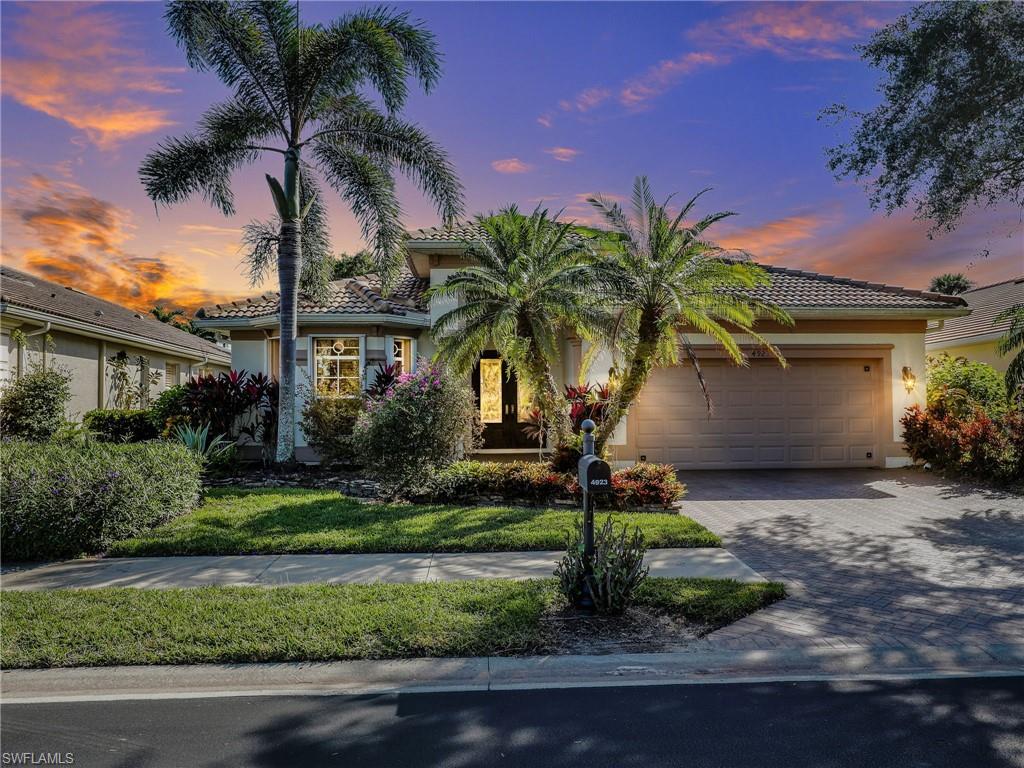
(594, 474)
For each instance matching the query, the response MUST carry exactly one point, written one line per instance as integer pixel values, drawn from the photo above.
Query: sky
(539, 103)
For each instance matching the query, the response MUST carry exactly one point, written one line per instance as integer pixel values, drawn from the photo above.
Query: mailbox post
(594, 476)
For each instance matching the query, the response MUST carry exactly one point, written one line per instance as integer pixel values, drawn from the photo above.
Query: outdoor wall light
(909, 379)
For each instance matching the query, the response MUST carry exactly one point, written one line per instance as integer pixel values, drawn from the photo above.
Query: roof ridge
(1018, 279)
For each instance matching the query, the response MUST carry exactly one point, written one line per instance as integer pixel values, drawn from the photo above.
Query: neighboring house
(856, 354)
(975, 335)
(85, 332)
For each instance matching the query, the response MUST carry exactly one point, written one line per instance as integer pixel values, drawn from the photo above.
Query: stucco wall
(982, 352)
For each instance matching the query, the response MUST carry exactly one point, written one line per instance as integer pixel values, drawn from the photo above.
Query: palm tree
(165, 315)
(1013, 342)
(534, 278)
(951, 284)
(670, 282)
(297, 94)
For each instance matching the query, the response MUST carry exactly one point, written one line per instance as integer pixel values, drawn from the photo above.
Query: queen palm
(533, 278)
(668, 282)
(297, 93)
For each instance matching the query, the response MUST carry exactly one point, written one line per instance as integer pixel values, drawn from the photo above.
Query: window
(273, 358)
(401, 355)
(524, 400)
(171, 373)
(337, 366)
(491, 405)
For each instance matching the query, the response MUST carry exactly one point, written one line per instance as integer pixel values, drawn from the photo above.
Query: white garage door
(816, 413)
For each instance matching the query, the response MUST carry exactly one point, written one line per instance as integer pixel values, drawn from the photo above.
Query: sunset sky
(538, 102)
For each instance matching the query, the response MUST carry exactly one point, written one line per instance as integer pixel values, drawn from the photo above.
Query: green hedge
(121, 426)
(64, 500)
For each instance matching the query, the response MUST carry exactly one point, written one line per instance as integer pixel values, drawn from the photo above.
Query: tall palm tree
(297, 93)
(670, 282)
(1013, 342)
(533, 278)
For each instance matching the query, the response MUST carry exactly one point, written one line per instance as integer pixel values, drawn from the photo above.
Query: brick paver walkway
(870, 557)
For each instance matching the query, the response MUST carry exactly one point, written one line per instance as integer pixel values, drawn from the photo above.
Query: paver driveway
(870, 557)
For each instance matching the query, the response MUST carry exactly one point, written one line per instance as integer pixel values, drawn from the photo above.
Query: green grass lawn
(69, 628)
(234, 521)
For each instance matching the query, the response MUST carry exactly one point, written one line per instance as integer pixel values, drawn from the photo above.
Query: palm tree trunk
(633, 381)
(289, 262)
(552, 405)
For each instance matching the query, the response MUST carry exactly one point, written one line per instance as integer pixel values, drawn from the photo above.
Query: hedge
(64, 500)
(642, 485)
(116, 425)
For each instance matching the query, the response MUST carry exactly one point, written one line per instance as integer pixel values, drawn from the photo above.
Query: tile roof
(791, 288)
(20, 289)
(985, 303)
(353, 295)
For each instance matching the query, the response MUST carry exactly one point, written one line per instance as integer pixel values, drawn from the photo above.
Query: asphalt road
(968, 723)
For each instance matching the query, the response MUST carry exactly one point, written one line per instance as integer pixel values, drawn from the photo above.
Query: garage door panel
(815, 413)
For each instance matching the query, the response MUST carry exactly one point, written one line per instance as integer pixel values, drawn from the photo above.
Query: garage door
(816, 413)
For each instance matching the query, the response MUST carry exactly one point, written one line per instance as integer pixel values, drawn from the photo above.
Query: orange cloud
(510, 165)
(774, 238)
(790, 30)
(659, 78)
(563, 154)
(71, 64)
(77, 239)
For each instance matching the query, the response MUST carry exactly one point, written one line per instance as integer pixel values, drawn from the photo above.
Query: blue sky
(539, 102)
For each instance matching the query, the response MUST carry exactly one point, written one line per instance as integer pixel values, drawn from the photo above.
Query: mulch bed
(638, 630)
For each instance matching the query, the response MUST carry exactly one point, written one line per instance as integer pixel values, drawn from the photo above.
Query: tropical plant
(198, 440)
(617, 567)
(949, 131)
(176, 317)
(165, 315)
(426, 421)
(352, 266)
(297, 92)
(1012, 343)
(961, 386)
(384, 379)
(950, 283)
(131, 380)
(32, 406)
(533, 278)
(231, 403)
(669, 282)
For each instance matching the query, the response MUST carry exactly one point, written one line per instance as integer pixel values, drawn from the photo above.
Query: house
(856, 354)
(974, 336)
(84, 332)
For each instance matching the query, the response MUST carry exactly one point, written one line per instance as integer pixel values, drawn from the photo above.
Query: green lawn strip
(70, 628)
(272, 521)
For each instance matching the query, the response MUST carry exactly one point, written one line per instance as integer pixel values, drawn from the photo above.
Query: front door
(504, 403)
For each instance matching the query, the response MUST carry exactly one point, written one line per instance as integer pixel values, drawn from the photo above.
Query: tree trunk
(633, 381)
(289, 263)
(552, 405)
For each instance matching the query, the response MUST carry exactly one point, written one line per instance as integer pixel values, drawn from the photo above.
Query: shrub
(641, 485)
(63, 500)
(960, 385)
(427, 420)
(327, 423)
(229, 401)
(977, 445)
(119, 426)
(617, 567)
(169, 410)
(32, 406)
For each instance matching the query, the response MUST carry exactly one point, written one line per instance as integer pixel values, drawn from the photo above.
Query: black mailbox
(594, 474)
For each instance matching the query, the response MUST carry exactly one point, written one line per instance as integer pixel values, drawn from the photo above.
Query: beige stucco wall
(981, 352)
(80, 355)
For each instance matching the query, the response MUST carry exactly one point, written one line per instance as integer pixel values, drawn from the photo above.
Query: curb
(507, 673)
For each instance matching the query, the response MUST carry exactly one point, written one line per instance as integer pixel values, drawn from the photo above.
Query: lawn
(69, 628)
(271, 521)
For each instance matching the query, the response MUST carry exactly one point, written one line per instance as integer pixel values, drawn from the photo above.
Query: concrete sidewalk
(699, 665)
(281, 570)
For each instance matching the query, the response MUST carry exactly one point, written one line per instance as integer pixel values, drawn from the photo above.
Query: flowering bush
(66, 499)
(120, 426)
(978, 445)
(32, 406)
(642, 485)
(424, 422)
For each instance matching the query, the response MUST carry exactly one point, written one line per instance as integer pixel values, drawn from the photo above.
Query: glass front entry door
(504, 403)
